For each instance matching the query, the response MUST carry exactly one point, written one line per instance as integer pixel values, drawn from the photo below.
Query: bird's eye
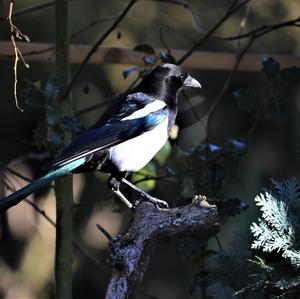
(174, 81)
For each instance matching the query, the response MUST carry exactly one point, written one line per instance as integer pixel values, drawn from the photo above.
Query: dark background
(27, 242)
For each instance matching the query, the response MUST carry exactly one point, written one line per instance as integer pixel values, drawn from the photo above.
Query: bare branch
(92, 24)
(99, 42)
(41, 212)
(130, 252)
(185, 5)
(76, 246)
(106, 102)
(264, 29)
(242, 27)
(28, 9)
(232, 9)
(15, 32)
(104, 232)
(214, 105)
(15, 173)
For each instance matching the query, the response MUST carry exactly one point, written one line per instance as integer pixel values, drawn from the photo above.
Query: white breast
(134, 154)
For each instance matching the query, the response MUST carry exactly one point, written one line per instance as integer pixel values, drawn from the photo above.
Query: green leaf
(163, 154)
(291, 75)
(144, 48)
(148, 170)
(247, 100)
(271, 67)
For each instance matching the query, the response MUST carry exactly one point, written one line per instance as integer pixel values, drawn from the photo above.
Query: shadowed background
(27, 239)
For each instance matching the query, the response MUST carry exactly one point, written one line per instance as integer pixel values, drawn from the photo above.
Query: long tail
(15, 198)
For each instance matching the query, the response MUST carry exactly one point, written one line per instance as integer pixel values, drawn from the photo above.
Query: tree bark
(130, 252)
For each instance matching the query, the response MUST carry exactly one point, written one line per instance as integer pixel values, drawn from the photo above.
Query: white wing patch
(153, 106)
(134, 154)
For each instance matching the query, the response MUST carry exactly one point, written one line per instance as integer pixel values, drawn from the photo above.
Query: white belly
(134, 154)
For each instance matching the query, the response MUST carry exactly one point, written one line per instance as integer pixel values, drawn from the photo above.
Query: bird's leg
(123, 198)
(156, 201)
(114, 184)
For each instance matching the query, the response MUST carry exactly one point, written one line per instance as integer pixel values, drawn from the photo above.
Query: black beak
(191, 82)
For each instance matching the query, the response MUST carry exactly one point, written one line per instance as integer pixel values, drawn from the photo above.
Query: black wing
(111, 129)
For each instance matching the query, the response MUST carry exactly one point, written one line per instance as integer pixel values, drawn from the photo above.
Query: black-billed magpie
(125, 138)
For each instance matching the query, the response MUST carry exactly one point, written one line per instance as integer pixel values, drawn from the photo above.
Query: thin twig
(229, 12)
(15, 173)
(75, 244)
(182, 172)
(195, 112)
(41, 212)
(242, 27)
(255, 124)
(151, 178)
(92, 24)
(104, 232)
(185, 5)
(28, 9)
(253, 34)
(15, 32)
(257, 32)
(108, 101)
(262, 30)
(104, 268)
(214, 105)
(232, 9)
(73, 35)
(99, 42)
(8, 183)
(30, 155)
(219, 243)
(162, 40)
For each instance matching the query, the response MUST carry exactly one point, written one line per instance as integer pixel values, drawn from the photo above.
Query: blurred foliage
(49, 132)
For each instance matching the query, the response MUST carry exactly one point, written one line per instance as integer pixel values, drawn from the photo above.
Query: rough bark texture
(130, 252)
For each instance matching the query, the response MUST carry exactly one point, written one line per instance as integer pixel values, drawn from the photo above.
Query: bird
(124, 139)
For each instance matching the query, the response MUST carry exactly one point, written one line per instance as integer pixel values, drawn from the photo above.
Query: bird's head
(166, 81)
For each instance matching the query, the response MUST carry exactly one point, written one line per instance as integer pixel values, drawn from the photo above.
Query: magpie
(125, 138)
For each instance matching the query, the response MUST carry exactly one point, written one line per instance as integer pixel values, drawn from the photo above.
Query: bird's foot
(157, 202)
(114, 183)
(124, 199)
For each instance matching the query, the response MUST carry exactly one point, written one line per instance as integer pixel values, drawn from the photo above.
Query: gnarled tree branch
(130, 252)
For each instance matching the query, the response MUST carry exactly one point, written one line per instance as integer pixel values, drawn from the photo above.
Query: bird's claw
(159, 203)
